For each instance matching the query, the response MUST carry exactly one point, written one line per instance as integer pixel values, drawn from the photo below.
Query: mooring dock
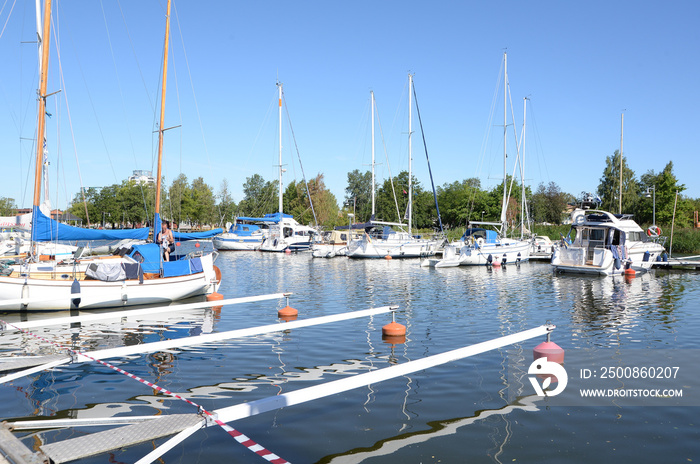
(687, 263)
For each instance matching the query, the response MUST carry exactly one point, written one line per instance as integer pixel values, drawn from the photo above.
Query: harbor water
(477, 409)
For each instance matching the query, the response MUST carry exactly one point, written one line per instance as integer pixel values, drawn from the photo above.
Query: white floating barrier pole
(241, 411)
(303, 395)
(171, 443)
(198, 340)
(121, 314)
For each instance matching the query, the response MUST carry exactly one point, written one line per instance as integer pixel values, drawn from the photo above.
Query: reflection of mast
(437, 429)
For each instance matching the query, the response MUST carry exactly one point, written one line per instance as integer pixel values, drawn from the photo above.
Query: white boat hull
(36, 294)
(507, 251)
(403, 248)
(574, 260)
(233, 242)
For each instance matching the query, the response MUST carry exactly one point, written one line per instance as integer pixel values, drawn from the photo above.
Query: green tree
(461, 202)
(549, 203)
(609, 186)
(259, 197)
(203, 201)
(181, 206)
(7, 206)
(226, 207)
(663, 186)
(358, 194)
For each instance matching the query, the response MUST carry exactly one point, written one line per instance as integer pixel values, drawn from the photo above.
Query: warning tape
(238, 436)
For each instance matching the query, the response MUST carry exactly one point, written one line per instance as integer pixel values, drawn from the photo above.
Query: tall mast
(279, 87)
(522, 172)
(505, 155)
(41, 117)
(622, 129)
(372, 95)
(410, 156)
(156, 223)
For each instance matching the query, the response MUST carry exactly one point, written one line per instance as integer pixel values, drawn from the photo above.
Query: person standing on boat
(165, 239)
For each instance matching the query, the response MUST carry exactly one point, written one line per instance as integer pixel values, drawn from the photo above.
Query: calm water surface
(466, 411)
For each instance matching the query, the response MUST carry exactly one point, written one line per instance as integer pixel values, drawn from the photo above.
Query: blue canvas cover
(150, 258)
(149, 255)
(490, 236)
(183, 237)
(45, 229)
(243, 230)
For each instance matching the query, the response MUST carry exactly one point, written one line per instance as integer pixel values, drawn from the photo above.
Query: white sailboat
(380, 240)
(480, 246)
(285, 233)
(141, 277)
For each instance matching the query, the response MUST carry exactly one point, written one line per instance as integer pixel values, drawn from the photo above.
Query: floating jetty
(685, 263)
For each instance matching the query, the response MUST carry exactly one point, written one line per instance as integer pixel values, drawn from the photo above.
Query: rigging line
(296, 147)
(8, 16)
(386, 155)
(194, 96)
(119, 86)
(64, 90)
(92, 106)
(133, 50)
(425, 145)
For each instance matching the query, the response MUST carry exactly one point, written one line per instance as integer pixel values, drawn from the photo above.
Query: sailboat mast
(522, 172)
(41, 117)
(622, 130)
(279, 87)
(505, 155)
(372, 95)
(410, 156)
(156, 224)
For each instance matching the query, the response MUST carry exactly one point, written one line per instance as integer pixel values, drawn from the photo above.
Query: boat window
(584, 234)
(343, 237)
(597, 234)
(246, 229)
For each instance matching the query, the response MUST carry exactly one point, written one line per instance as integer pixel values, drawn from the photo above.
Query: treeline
(196, 203)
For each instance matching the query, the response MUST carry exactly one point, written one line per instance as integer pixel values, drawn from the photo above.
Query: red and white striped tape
(238, 436)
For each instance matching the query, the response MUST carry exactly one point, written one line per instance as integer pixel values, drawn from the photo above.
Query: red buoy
(549, 350)
(630, 272)
(288, 251)
(177, 243)
(197, 245)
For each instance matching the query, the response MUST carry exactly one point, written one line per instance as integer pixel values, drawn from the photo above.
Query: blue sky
(581, 64)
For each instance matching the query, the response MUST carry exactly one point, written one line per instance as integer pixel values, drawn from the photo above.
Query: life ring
(479, 242)
(654, 231)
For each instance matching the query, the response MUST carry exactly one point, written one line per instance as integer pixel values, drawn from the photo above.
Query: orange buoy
(388, 257)
(394, 329)
(287, 312)
(197, 245)
(215, 296)
(629, 272)
(394, 339)
(177, 243)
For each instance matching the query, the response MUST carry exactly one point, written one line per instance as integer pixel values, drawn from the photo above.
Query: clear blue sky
(582, 64)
